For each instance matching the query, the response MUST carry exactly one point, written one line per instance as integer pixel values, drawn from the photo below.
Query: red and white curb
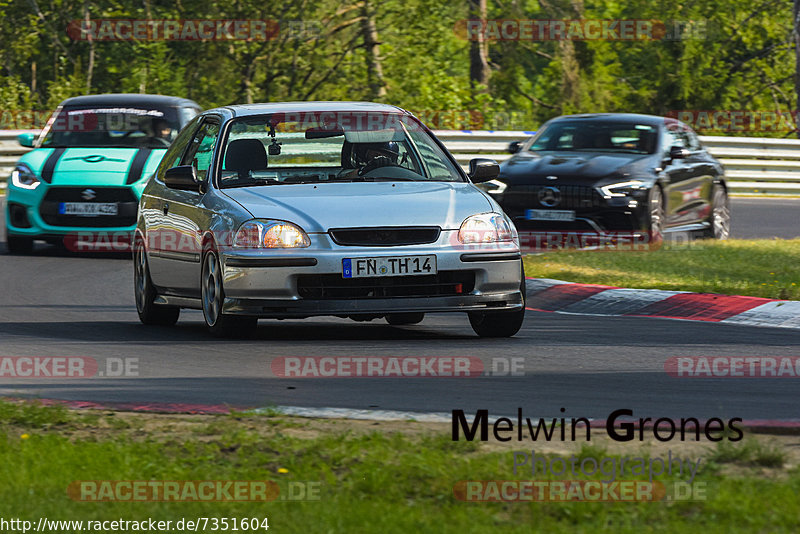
(549, 295)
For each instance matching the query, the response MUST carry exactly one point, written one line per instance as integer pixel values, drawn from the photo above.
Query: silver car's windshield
(280, 149)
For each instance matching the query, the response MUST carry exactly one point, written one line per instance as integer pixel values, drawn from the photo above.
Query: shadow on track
(188, 332)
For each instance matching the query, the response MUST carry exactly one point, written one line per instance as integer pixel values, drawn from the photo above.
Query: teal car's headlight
(270, 234)
(24, 178)
(486, 228)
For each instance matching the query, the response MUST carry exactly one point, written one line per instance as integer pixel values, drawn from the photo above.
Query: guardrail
(752, 164)
(10, 151)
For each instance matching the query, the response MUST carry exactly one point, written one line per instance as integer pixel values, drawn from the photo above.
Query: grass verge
(758, 268)
(375, 477)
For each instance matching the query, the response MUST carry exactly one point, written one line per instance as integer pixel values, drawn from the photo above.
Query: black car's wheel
(398, 319)
(19, 244)
(499, 324)
(720, 218)
(149, 312)
(655, 215)
(213, 296)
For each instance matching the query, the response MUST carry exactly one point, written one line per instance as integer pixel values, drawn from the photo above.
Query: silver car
(294, 210)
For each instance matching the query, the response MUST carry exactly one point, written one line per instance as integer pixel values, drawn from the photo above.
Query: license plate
(388, 266)
(550, 215)
(88, 209)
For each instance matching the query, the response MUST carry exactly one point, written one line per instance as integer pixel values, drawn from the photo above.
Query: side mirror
(678, 152)
(183, 177)
(514, 147)
(26, 139)
(483, 170)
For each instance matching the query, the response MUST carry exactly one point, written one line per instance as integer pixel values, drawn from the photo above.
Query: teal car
(88, 167)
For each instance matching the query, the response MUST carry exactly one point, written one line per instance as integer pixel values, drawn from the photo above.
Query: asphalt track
(53, 303)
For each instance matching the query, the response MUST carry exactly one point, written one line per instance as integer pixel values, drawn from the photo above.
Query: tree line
(481, 64)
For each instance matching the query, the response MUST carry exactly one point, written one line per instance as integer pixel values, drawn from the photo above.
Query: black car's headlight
(264, 233)
(24, 178)
(622, 189)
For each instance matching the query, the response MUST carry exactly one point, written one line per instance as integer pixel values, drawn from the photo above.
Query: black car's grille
(125, 199)
(333, 286)
(385, 236)
(572, 197)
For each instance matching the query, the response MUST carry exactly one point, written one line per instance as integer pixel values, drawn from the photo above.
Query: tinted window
(674, 136)
(596, 137)
(135, 126)
(201, 148)
(694, 141)
(176, 150)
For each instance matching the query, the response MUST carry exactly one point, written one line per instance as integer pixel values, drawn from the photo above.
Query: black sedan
(612, 174)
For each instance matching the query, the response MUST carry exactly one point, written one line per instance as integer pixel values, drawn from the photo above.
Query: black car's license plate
(550, 215)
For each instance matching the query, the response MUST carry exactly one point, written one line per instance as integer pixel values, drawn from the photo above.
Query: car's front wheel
(149, 312)
(502, 323)
(213, 296)
(720, 219)
(19, 244)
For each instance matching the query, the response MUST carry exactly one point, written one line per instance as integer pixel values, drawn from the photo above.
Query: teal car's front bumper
(79, 175)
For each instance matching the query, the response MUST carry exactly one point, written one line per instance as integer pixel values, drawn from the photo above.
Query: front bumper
(308, 308)
(309, 282)
(33, 213)
(594, 214)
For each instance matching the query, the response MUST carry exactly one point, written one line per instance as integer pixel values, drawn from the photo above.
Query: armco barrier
(752, 164)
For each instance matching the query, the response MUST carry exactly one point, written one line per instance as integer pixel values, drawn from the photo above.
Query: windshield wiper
(387, 179)
(374, 179)
(252, 183)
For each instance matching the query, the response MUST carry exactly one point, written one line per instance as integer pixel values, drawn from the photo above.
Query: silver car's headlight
(24, 178)
(621, 189)
(262, 233)
(485, 228)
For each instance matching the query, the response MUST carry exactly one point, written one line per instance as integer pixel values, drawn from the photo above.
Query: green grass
(751, 453)
(370, 481)
(759, 268)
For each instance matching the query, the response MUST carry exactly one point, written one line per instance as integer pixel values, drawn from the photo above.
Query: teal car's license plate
(88, 209)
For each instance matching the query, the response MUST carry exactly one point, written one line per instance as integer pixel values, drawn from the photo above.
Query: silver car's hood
(319, 207)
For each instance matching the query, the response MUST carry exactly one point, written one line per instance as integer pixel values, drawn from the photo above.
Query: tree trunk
(375, 80)
(478, 50)
(90, 63)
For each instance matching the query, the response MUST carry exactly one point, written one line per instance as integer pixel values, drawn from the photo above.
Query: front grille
(573, 197)
(333, 286)
(126, 201)
(385, 236)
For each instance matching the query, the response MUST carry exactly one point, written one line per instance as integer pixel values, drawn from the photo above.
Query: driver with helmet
(370, 156)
